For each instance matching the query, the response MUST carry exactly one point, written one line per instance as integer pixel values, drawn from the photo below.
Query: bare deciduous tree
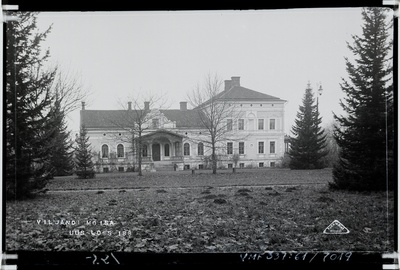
(136, 121)
(68, 91)
(217, 114)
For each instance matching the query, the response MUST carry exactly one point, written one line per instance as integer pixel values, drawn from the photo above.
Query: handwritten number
(348, 255)
(95, 258)
(270, 254)
(104, 260)
(326, 255)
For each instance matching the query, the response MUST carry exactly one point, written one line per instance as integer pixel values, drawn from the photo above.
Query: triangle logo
(336, 228)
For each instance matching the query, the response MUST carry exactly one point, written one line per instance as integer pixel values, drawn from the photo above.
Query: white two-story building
(253, 134)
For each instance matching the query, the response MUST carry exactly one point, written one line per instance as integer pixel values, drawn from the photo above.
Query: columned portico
(163, 146)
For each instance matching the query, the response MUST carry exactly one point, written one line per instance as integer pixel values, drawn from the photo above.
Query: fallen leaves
(228, 219)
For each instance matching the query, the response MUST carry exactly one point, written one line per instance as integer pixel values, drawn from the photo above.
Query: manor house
(251, 133)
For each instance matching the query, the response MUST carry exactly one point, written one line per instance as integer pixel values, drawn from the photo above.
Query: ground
(247, 211)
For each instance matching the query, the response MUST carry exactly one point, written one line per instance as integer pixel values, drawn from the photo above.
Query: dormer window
(156, 123)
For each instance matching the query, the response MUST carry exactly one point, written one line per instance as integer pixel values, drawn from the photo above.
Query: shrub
(82, 174)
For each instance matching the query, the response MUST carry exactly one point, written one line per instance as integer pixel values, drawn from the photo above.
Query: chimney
(228, 85)
(183, 105)
(129, 105)
(147, 105)
(235, 81)
(83, 105)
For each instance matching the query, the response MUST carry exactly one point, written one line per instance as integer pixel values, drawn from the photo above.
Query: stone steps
(164, 166)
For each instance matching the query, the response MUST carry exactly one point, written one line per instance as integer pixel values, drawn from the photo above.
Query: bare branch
(214, 111)
(68, 90)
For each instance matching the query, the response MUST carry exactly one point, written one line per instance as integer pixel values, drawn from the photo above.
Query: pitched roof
(106, 118)
(240, 93)
(122, 118)
(187, 118)
(183, 118)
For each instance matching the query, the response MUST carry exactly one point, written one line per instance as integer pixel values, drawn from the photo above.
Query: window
(241, 148)
(186, 167)
(200, 149)
(261, 147)
(271, 123)
(166, 150)
(144, 150)
(261, 164)
(229, 124)
(105, 170)
(272, 164)
(104, 151)
(120, 151)
(241, 165)
(120, 169)
(260, 124)
(229, 148)
(272, 147)
(250, 124)
(201, 166)
(241, 124)
(186, 149)
(156, 123)
(230, 165)
(178, 150)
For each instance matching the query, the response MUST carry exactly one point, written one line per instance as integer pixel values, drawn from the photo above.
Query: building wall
(270, 113)
(251, 135)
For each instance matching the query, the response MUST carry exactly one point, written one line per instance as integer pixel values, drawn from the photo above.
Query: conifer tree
(83, 156)
(365, 134)
(28, 99)
(61, 162)
(308, 145)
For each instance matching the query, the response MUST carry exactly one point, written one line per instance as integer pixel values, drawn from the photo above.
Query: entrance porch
(162, 148)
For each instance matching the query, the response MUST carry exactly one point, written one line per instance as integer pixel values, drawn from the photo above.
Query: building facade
(252, 134)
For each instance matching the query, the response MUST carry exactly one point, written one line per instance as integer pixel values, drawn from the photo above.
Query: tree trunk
(139, 155)
(214, 159)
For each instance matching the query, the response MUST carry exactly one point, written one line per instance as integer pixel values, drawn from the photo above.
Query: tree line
(38, 144)
(363, 137)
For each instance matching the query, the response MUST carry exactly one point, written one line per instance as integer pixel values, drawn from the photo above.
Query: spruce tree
(307, 146)
(61, 162)
(365, 134)
(83, 156)
(28, 99)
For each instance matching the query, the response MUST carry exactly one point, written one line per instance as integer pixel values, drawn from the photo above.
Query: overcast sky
(122, 54)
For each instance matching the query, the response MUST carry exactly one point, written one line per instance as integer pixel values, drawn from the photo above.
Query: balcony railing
(176, 158)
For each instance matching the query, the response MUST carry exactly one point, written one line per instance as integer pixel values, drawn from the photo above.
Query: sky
(117, 55)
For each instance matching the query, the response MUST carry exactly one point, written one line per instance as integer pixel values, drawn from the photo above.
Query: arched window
(200, 149)
(144, 150)
(120, 151)
(104, 151)
(186, 149)
(166, 150)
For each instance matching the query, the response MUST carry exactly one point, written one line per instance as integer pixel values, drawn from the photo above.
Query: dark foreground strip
(267, 260)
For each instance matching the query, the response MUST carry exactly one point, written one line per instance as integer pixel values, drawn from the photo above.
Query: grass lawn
(250, 211)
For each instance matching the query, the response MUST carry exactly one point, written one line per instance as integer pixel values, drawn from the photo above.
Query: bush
(85, 174)
(285, 161)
